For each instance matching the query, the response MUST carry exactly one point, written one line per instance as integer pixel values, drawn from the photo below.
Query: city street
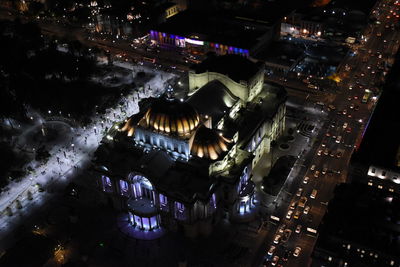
(326, 164)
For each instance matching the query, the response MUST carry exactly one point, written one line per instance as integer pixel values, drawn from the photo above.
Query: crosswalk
(305, 129)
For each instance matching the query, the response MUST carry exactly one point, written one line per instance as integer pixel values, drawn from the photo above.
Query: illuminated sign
(195, 42)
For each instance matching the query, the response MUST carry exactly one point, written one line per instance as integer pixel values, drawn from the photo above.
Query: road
(326, 164)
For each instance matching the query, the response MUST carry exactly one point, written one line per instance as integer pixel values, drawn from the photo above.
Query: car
(326, 152)
(297, 214)
(349, 98)
(349, 116)
(286, 235)
(281, 228)
(344, 111)
(289, 214)
(356, 107)
(302, 202)
(348, 130)
(275, 260)
(324, 170)
(352, 106)
(271, 250)
(299, 191)
(306, 209)
(328, 134)
(319, 152)
(286, 255)
(345, 125)
(333, 124)
(313, 193)
(306, 179)
(298, 229)
(339, 155)
(293, 205)
(312, 167)
(277, 239)
(297, 251)
(323, 144)
(332, 154)
(316, 174)
(355, 97)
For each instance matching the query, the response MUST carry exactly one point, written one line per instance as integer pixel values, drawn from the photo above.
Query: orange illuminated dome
(208, 143)
(171, 116)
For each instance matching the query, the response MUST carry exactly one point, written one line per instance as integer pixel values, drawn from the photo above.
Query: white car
(345, 125)
(275, 260)
(277, 239)
(297, 251)
(312, 167)
(306, 179)
(306, 209)
(299, 191)
(289, 214)
(281, 228)
(271, 250)
(298, 229)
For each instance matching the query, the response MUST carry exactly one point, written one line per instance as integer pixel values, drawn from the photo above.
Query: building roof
(380, 145)
(213, 27)
(221, 101)
(171, 116)
(362, 216)
(184, 181)
(262, 108)
(236, 67)
(208, 143)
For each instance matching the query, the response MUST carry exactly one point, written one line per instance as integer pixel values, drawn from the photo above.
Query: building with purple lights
(181, 165)
(199, 33)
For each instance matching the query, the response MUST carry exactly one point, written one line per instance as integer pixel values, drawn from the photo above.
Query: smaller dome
(171, 116)
(128, 127)
(208, 143)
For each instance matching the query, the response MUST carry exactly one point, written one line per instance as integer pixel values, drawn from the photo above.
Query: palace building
(181, 165)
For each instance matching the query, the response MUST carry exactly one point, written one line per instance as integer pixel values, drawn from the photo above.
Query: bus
(365, 97)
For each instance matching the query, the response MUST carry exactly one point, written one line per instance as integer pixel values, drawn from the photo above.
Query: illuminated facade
(194, 44)
(182, 165)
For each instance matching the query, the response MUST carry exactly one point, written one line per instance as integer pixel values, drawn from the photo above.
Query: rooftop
(228, 65)
(215, 106)
(380, 145)
(358, 209)
(213, 27)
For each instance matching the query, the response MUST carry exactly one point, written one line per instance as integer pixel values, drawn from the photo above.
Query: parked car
(298, 229)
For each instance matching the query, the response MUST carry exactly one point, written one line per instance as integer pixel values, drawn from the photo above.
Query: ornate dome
(171, 116)
(208, 143)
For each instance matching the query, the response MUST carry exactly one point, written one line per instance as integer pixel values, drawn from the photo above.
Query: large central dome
(171, 116)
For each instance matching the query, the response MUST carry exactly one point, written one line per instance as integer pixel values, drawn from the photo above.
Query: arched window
(141, 186)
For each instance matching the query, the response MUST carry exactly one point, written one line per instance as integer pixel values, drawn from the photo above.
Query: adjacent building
(376, 160)
(360, 228)
(222, 32)
(182, 164)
